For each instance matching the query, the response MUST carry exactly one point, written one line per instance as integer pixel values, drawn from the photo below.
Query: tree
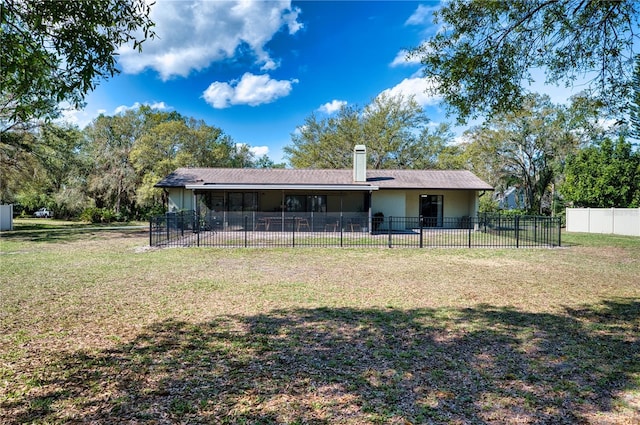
(604, 175)
(634, 106)
(50, 173)
(113, 181)
(485, 50)
(265, 162)
(434, 150)
(524, 148)
(326, 143)
(181, 143)
(57, 51)
(394, 129)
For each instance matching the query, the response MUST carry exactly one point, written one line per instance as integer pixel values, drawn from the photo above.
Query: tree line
(479, 60)
(108, 170)
(554, 155)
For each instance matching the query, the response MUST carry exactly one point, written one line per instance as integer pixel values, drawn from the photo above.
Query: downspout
(369, 219)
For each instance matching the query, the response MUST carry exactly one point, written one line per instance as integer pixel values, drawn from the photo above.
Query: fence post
(559, 231)
(469, 226)
(390, 227)
(166, 226)
(421, 236)
(246, 225)
(341, 226)
(151, 231)
(517, 223)
(293, 231)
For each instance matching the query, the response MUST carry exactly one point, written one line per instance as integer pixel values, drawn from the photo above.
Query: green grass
(97, 327)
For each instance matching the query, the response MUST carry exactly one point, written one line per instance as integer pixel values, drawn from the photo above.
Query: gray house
(315, 199)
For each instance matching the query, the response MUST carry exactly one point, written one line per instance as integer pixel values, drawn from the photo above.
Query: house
(317, 199)
(512, 198)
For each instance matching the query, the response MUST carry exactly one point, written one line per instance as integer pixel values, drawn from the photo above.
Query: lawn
(97, 327)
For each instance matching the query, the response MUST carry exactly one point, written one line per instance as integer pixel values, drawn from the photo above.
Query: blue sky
(257, 69)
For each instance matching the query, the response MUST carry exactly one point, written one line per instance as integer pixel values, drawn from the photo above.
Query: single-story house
(361, 198)
(511, 198)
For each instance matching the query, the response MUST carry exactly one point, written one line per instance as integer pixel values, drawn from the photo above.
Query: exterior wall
(396, 203)
(400, 203)
(180, 199)
(619, 221)
(390, 203)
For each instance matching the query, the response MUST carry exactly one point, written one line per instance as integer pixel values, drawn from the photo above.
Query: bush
(100, 215)
(91, 214)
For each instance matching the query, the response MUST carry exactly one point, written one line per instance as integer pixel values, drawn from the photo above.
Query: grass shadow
(349, 365)
(71, 234)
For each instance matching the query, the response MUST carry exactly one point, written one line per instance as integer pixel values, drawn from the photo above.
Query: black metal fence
(259, 229)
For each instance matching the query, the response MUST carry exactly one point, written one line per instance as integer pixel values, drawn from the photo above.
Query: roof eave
(275, 186)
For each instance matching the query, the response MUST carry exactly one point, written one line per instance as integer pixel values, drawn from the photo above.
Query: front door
(431, 210)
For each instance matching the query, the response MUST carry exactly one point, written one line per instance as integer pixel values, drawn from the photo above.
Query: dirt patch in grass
(101, 330)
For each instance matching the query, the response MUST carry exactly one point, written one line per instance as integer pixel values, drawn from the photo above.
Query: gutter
(241, 186)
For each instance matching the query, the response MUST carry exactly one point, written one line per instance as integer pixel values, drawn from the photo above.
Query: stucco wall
(180, 199)
(390, 203)
(457, 203)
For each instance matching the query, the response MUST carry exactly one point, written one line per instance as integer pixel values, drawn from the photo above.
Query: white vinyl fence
(6, 217)
(618, 221)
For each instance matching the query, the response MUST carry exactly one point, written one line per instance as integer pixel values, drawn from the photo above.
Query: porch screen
(306, 203)
(243, 201)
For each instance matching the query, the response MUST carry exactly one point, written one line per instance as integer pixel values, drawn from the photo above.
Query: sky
(257, 69)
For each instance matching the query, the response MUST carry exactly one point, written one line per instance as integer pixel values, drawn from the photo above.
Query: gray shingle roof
(384, 179)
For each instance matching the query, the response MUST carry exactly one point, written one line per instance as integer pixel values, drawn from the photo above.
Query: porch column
(282, 208)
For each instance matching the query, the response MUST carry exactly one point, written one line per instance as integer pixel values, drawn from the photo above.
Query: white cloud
(333, 106)
(251, 90)
(259, 151)
(422, 15)
(76, 117)
(193, 34)
(402, 58)
(161, 106)
(419, 88)
(83, 117)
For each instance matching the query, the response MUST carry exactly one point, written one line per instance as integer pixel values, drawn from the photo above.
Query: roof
(265, 178)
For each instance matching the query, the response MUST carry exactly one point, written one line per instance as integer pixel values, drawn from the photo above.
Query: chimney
(360, 163)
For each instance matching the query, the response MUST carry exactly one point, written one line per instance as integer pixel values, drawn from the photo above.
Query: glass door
(431, 210)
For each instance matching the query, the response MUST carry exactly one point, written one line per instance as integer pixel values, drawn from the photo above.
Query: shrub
(99, 215)
(91, 214)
